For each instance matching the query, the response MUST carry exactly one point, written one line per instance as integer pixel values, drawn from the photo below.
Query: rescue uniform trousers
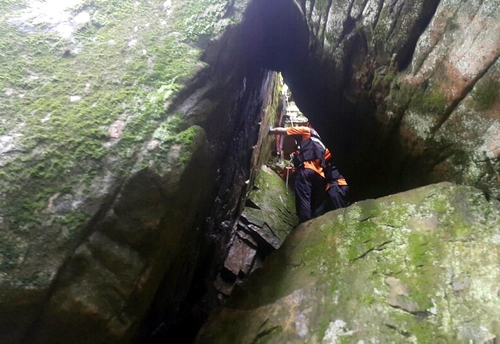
(309, 193)
(337, 197)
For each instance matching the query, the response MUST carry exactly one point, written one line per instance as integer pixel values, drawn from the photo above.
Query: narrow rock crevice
(323, 27)
(375, 248)
(405, 55)
(376, 20)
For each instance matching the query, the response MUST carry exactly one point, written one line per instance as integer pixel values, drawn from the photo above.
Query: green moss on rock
(401, 268)
(416, 98)
(63, 96)
(486, 94)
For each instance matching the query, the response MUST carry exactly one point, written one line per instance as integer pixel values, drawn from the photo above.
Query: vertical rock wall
(393, 87)
(120, 141)
(235, 101)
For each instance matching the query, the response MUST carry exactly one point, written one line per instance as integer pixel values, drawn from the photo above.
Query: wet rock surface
(268, 217)
(418, 266)
(131, 135)
(108, 183)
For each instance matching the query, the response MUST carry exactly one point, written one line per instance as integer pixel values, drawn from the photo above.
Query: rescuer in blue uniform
(337, 188)
(309, 162)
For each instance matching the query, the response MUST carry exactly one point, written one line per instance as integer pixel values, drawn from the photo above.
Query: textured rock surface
(404, 93)
(129, 131)
(268, 217)
(419, 266)
(457, 63)
(115, 141)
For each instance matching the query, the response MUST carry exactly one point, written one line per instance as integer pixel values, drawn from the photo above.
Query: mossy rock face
(267, 219)
(420, 266)
(271, 206)
(101, 176)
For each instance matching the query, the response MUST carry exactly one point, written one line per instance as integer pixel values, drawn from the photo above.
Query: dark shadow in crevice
(405, 55)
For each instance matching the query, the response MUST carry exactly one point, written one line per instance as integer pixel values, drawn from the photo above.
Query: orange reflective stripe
(305, 132)
(341, 182)
(315, 166)
(328, 155)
